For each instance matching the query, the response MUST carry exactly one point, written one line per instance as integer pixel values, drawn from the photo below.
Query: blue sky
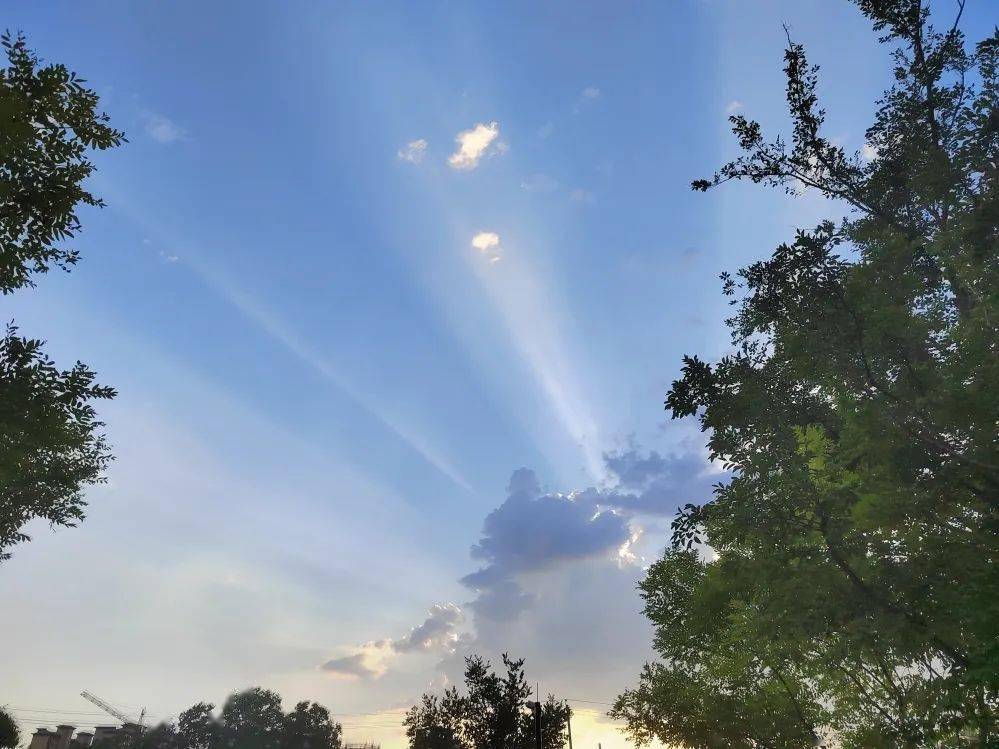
(326, 388)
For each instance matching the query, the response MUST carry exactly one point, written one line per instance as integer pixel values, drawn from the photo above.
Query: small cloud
(369, 662)
(869, 152)
(539, 182)
(733, 106)
(436, 632)
(166, 257)
(488, 243)
(588, 94)
(474, 144)
(546, 130)
(162, 129)
(579, 195)
(349, 665)
(413, 152)
(485, 240)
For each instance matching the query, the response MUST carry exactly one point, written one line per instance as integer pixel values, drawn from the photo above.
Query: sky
(392, 294)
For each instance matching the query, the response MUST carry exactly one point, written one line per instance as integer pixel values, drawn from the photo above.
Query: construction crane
(112, 710)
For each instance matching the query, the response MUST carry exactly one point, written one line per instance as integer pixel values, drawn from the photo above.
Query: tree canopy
(51, 446)
(10, 734)
(252, 719)
(844, 582)
(49, 121)
(50, 443)
(492, 714)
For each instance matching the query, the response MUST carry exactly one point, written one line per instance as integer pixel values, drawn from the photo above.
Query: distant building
(63, 738)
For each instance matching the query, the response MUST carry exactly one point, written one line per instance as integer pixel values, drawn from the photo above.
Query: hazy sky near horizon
(392, 294)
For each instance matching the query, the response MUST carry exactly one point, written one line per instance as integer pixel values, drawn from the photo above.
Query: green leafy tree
(50, 440)
(49, 121)
(492, 714)
(853, 588)
(50, 445)
(10, 734)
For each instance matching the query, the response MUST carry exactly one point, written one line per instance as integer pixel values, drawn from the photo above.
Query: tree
(853, 586)
(48, 122)
(10, 734)
(50, 443)
(249, 720)
(253, 720)
(198, 728)
(492, 714)
(310, 726)
(50, 446)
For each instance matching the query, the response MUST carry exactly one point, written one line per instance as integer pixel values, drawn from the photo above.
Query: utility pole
(568, 725)
(536, 709)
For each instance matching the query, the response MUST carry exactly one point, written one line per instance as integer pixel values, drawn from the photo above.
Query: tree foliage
(252, 719)
(10, 734)
(853, 588)
(49, 121)
(492, 714)
(50, 441)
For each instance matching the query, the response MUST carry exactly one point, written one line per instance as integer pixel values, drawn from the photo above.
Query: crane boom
(105, 707)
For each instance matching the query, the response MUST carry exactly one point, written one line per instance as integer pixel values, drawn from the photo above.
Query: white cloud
(539, 182)
(438, 630)
(485, 240)
(162, 129)
(488, 243)
(166, 257)
(587, 95)
(438, 633)
(370, 661)
(474, 144)
(869, 152)
(413, 152)
(545, 130)
(733, 106)
(579, 195)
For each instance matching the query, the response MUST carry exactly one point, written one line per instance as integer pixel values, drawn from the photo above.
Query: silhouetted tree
(853, 586)
(492, 714)
(10, 734)
(198, 727)
(50, 446)
(249, 720)
(310, 726)
(253, 720)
